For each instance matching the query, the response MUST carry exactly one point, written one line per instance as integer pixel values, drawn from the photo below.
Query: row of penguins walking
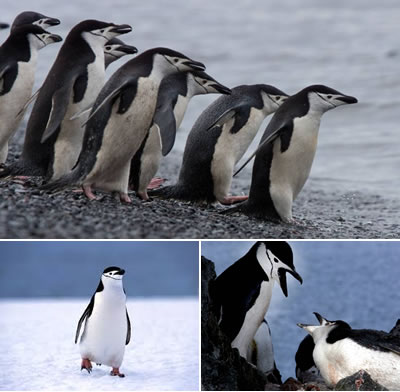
(111, 135)
(241, 297)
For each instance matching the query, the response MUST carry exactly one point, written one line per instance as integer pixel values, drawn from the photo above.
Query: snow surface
(37, 350)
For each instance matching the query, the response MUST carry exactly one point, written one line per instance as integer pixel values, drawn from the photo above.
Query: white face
(100, 36)
(204, 85)
(114, 275)
(272, 102)
(319, 332)
(39, 41)
(178, 62)
(270, 263)
(43, 23)
(324, 102)
(113, 50)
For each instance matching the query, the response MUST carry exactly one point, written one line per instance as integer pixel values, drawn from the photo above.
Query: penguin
(260, 353)
(306, 370)
(119, 121)
(31, 17)
(242, 293)
(341, 351)
(18, 59)
(114, 49)
(286, 152)
(106, 324)
(217, 141)
(53, 141)
(173, 98)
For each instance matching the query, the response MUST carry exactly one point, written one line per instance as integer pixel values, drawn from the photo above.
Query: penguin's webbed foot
(98, 364)
(87, 190)
(143, 195)
(228, 200)
(156, 182)
(115, 372)
(124, 198)
(86, 364)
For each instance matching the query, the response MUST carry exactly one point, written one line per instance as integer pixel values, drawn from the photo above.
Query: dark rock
(359, 381)
(396, 329)
(222, 368)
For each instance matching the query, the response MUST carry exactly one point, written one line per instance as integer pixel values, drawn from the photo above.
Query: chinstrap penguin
(18, 59)
(53, 141)
(286, 152)
(173, 98)
(261, 354)
(306, 370)
(31, 17)
(218, 140)
(341, 351)
(114, 49)
(107, 328)
(242, 293)
(119, 121)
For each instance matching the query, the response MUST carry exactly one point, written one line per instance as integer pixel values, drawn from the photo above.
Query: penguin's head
(37, 36)
(276, 259)
(272, 97)
(112, 275)
(31, 17)
(169, 61)
(95, 31)
(206, 84)
(322, 98)
(329, 331)
(115, 48)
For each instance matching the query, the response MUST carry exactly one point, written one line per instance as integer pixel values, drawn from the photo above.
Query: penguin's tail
(18, 169)
(237, 208)
(68, 180)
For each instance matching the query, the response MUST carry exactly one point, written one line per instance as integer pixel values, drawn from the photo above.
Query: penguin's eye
(108, 47)
(278, 98)
(102, 31)
(204, 81)
(329, 96)
(276, 260)
(176, 60)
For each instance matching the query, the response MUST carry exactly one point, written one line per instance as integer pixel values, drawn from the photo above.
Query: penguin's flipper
(81, 112)
(8, 74)
(85, 315)
(128, 334)
(165, 120)
(390, 347)
(269, 139)
(109, 97)
(28, 102)
(59, 105)
(223, 118)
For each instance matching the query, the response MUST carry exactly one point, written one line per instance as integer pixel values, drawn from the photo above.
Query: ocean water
(350, 46)
(354, 281)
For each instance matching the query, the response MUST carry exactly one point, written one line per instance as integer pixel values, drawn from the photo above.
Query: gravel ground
(27, 212)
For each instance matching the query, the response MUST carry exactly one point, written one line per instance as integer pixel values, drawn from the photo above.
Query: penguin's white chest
(229, 148)
(69, 142)
(180, 109)
(104, 336)
(253, 319)
(261, 347)
(345, 357)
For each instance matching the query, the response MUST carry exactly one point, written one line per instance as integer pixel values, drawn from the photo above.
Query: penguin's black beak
(282, 279)
(55, 37)
(52, 21)
(128, 49)
(120, 272)
(222, 89)
(320, 319)
(347, 99)
(195, 65)
(4, 25)
(121, 29)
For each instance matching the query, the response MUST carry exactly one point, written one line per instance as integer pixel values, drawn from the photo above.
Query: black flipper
(128, 334)
(8, 74)
(85, 315)
(165, 119)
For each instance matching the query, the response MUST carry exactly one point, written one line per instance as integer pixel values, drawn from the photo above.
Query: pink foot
(233, 199)
(77, 190)
(87, 190)
(115, 372)
(143, 195)
(124, 198)
(155, 183)
(86, 364)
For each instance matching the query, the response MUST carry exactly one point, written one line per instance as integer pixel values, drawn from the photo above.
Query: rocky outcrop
(222, 368)
(359, 381)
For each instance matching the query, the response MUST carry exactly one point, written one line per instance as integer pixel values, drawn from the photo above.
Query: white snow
(37, 350)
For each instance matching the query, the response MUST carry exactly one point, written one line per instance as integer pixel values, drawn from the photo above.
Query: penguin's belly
(230, 148)
(69, 141)
(253, 319)
(104, 337)
(345, 357)
(123, 135)
(12, 102)
(262, 350)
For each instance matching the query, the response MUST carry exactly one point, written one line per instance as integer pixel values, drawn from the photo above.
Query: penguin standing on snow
(218, 140)
(173, 98)
(18, 59)
(53, 141)
(341, 351)
(107, 328)
(118, 123)
(286, 152)
(242, 293)
(261, 354)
